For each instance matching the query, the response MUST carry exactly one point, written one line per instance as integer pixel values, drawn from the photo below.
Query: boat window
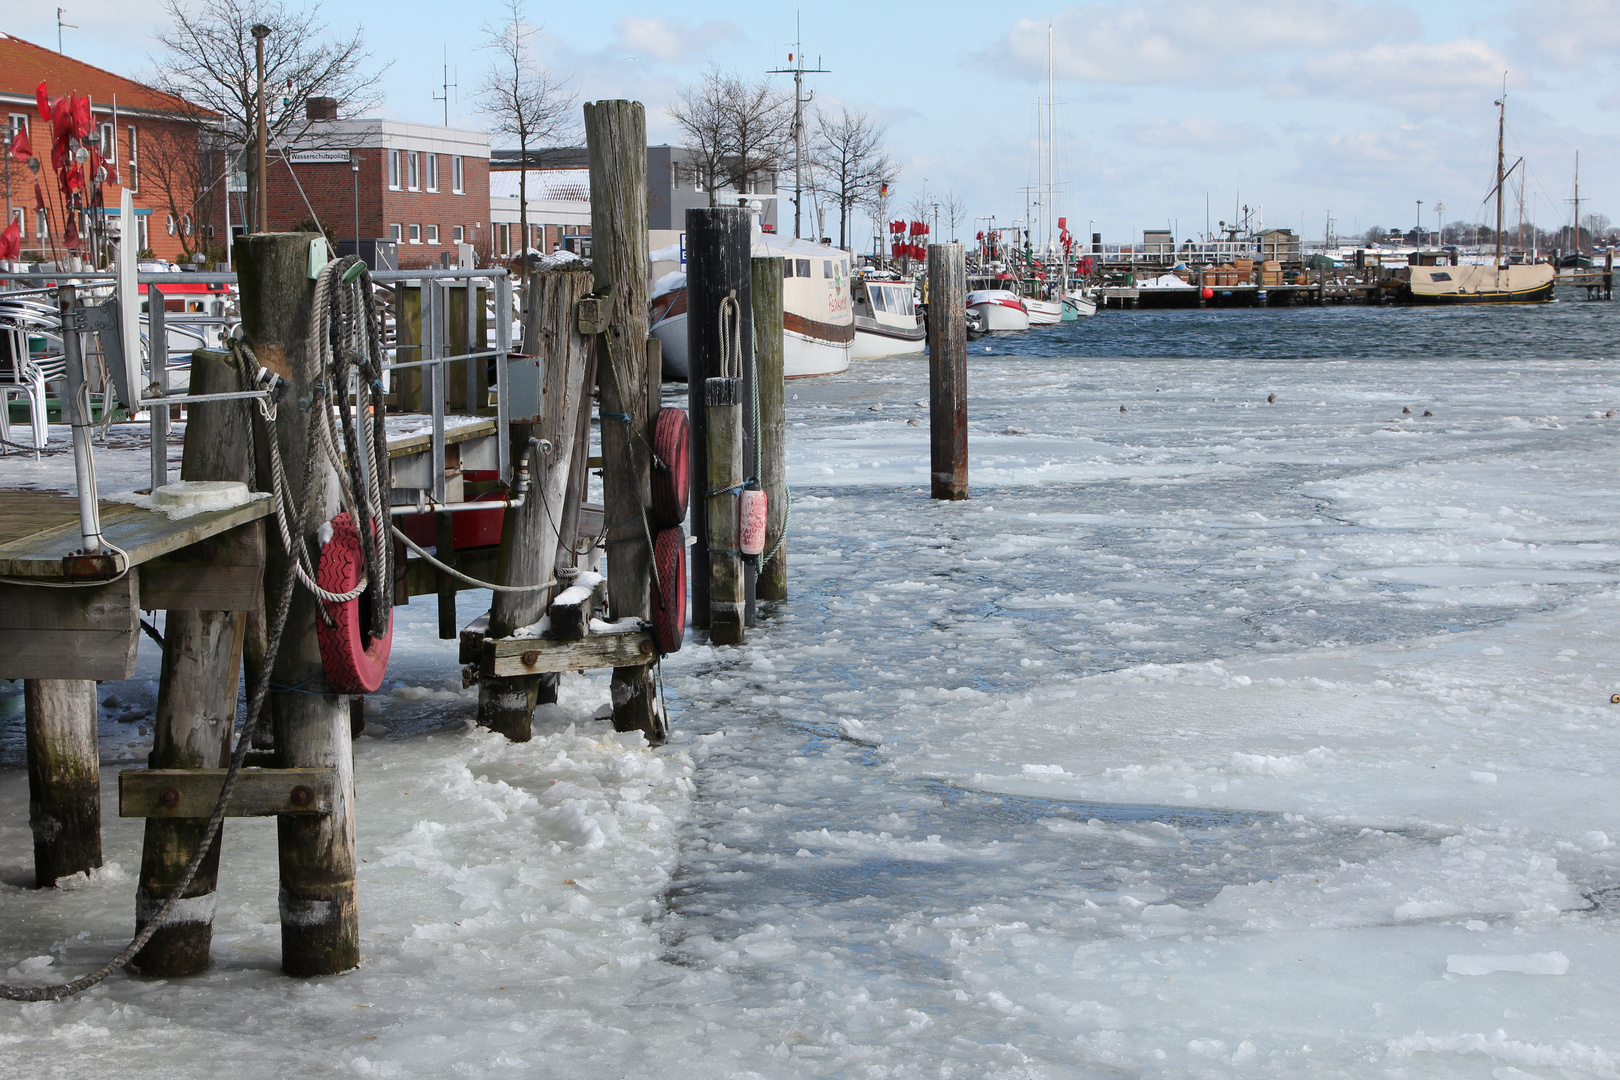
(804, 267)
(826, 268)
(903, 305)
(879, 300)
(1439, 275)
(787, 268)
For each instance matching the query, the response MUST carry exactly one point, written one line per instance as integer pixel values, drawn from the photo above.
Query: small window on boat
(879, 300)
(787, 268)
(804, 267)
(1439, 275)
(826, 268)
(904, 307)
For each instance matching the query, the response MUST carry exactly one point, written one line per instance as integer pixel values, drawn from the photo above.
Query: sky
(1168, 114)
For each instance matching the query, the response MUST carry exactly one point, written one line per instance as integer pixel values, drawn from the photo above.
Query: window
(133, 180)
(880, 298)
(456, 234)
(169, 225)
(416, 234)
(826, 268)
(185, 225)
(787, 268)
(141, 236)
(393, 175)
(456, 176)
(433, 172)
(109, 142)
(413, 171)
(803, 266)
(19, 122)
(42, 225)
(393, 232)
(433, 234)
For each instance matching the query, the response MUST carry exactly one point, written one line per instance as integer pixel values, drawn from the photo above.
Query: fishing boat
(1500, 283)
(1042, 312)
(1077, 305)
(817, 315)
(886, 319)
(996, 303)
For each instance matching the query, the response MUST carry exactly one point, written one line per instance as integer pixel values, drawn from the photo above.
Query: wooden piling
(530, 533)
(319, 916)
(718, 264)
(723, 440)
(771, 582)
(197, 683)
(64, 777)
(616, 134)
(947, 371)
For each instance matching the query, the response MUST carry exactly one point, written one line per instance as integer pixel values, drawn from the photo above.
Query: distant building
(422, 186)
(559, 196)
(150, 141)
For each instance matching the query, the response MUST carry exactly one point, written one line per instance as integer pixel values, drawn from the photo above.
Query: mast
(1051, 145)
(798, 71)
(1577, 201)
(1501, 160)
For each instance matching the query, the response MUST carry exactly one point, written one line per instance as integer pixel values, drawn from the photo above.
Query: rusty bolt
(302, 796)
(1614, 699)
(531, 658)
(169, 798)
(646, 648)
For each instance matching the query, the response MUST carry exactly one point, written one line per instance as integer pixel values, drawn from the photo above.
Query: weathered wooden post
(64, 777)
(723, 447)
(319, 916)
(771, 583)
(616, 134)
(529, 533)
(718, 266)
(947, 371)
(196, 709)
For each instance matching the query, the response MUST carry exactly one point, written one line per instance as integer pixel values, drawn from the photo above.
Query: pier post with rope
(616, 135)
(319, 912)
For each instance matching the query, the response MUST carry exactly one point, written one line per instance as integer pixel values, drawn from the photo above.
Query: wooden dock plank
(142, 534)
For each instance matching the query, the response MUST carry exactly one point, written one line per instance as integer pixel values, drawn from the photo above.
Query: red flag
(82, 121)
(44, 102)
(20, 148)
(39, 196)
(11, 241)
(70, 233)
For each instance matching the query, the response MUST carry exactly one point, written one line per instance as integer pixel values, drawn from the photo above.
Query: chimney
(321, 108)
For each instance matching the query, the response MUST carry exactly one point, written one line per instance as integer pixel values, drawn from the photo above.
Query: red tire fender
(669, 589)
(671, 471)
(353, 663)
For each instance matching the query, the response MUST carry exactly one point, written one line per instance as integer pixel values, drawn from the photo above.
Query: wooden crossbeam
(192, 793)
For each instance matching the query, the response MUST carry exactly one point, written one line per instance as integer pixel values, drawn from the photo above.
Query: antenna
(448, 86)
(798, 71)
(59, 25)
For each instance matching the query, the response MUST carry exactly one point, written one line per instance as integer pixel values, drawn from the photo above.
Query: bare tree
(208, 59)
(955, 210)
(738, 131)
(849, 162)
(522, 100)
(179, 166)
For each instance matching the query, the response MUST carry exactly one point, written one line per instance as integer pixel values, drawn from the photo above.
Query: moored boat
(886, 319)
(1514, 283)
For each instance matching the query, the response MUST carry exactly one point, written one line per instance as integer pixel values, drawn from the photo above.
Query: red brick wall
(330, 190)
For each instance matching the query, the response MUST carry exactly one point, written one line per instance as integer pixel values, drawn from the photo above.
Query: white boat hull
(996, 316)
(801, 356)
(1083, 307)
(1043, 312)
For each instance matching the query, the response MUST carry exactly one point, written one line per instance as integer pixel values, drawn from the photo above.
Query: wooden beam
(86, 633)
(947, 371)
(533, 656)
(188, 795)
(218, 573)
(771, 582)
(142, 534)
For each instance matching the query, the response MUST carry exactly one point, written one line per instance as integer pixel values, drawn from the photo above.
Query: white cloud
(1464, 76)
(1180, 41)
(667, 41)
(1195, 133)
(1569, 33)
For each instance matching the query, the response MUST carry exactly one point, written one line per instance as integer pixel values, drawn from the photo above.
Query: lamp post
(1439, 224)
(1420, 223)
(354, 170)
(261, 205)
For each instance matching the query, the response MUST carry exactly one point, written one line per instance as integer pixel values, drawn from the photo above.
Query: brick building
(425, 187)
(148, 138)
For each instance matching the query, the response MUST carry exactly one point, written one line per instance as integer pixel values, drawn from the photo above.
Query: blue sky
(1303, 107)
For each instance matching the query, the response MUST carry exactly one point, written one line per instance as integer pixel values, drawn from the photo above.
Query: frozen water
(1212, 738)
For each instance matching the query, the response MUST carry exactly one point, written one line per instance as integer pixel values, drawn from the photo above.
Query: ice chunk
(1544, 963)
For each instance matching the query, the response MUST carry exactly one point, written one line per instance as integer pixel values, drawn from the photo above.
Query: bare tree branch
(850, 162)
(522, 100)
(738, 131)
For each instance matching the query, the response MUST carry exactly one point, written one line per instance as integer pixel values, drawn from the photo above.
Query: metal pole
(354, 167)
(77, 404)
(262, 203)
(157, 352)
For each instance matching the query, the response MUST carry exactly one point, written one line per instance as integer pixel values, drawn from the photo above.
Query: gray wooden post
(529, 534)
(947, 371)
(718, 261)
(64, 777)
(772, 434)
(196, 709)
(616, 133)
(319, 915)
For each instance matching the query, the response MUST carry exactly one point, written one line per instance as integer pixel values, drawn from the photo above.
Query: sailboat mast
(1501, 160)
(1577, 202)
(1051, 143)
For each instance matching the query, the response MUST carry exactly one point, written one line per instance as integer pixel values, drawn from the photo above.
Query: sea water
(1214, 736)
